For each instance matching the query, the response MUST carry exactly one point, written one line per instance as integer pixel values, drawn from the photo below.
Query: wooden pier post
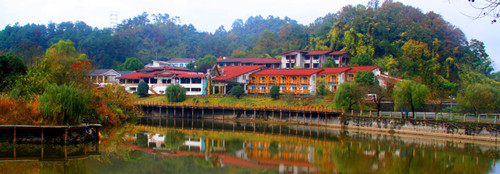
(192, 112)
(281, 114)
(223, 107)
(182, 106)
(496, 119)
(15, 132)
(202, 111)
(254, 113)
(66, 136)
(465, 116)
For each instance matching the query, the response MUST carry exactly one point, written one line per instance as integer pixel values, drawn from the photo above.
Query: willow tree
(410, 94)
(61, 104)
(480, 97)
(348, 94)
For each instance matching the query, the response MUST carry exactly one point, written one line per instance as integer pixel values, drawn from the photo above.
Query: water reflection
(216, 146)
(303, 149)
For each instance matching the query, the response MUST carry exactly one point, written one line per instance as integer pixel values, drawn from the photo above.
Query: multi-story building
(223, 78)
(293, 81)
(267, 62)
(175, 62)
(101, 77)
(333, 76)
(313, 59)
(194, 83)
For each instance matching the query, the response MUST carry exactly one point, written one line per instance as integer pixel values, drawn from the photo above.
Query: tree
(190, 66)
(479, 97)
(64, 64)
(275, 92)
(489, 8)
(366, 78)
(237, 91)
(65, 104)
(361, 60)
(175, 93)
(11, 67)
(142, 89)
(348, 94)
(131, 64)
(410, 94)
(329, 63)
(207, 60)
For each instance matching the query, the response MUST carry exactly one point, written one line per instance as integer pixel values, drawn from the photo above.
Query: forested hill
(399, 38)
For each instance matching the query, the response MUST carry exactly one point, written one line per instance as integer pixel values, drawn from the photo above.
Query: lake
(216, 146)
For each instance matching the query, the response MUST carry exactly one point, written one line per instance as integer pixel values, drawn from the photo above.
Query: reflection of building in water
(289, 157)
(285, 157)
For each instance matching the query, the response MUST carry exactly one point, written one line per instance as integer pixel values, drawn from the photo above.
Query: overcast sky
(208, 15)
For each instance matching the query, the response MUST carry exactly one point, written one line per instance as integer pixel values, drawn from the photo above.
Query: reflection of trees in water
(142, 140)
(174, 139)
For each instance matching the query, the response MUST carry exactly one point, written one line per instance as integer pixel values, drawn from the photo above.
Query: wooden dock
(39, 132)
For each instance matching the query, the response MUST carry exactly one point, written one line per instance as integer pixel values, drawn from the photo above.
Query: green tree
(348, 94)
(329, 63)
(237, 91)
(64, 64)
(174, 140)
(207, 60)
(480, 97)
(131, 64)
(366, 78)
(361, 60)
(142, 89)
(11, 67)
(275, 92)
(190, 66)
(65, 104)
(175, 93)
(410, 94)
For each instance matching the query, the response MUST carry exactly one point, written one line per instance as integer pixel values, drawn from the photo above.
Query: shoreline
(441, 136)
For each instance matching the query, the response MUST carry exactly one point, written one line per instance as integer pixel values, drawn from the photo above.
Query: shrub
(142, 89)
(65, 104)
(175, 93)
(275, 92)
(237, 91)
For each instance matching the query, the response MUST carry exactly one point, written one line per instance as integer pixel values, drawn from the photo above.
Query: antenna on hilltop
(113, 19)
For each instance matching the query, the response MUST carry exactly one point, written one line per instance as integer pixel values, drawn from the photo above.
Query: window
(185, 80)
(293, 78)
(333, 78)
(195, 89)
(307, 57)
(316, 57)
(306, 65)
(163, 80)
(290, 57)
(151, 80)
(133, 88)
(315, 65)
(283, 88)
(304, 88)
(196, 80)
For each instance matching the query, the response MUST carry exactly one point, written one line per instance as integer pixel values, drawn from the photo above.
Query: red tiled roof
(361, 68)
(338, 52)
(191, 75)
(323, 52)
(288, 52)
(336, 70)
(235, 71)
(288, 72)
(251, 60)
(134, 75)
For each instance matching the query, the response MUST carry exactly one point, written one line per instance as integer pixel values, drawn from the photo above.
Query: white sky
(208, 15)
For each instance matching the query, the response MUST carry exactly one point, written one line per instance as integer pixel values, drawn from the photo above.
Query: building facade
(267, 62)
(313, 59)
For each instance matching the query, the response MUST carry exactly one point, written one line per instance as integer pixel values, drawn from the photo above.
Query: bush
(237, 91)
(175, 93)
(65, 104)
(322, 90)
(275, 92)
(142, 89)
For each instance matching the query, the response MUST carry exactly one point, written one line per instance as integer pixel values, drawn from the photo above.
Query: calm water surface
(206, 146)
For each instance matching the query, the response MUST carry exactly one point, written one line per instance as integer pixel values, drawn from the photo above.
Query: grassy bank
(248, 101)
